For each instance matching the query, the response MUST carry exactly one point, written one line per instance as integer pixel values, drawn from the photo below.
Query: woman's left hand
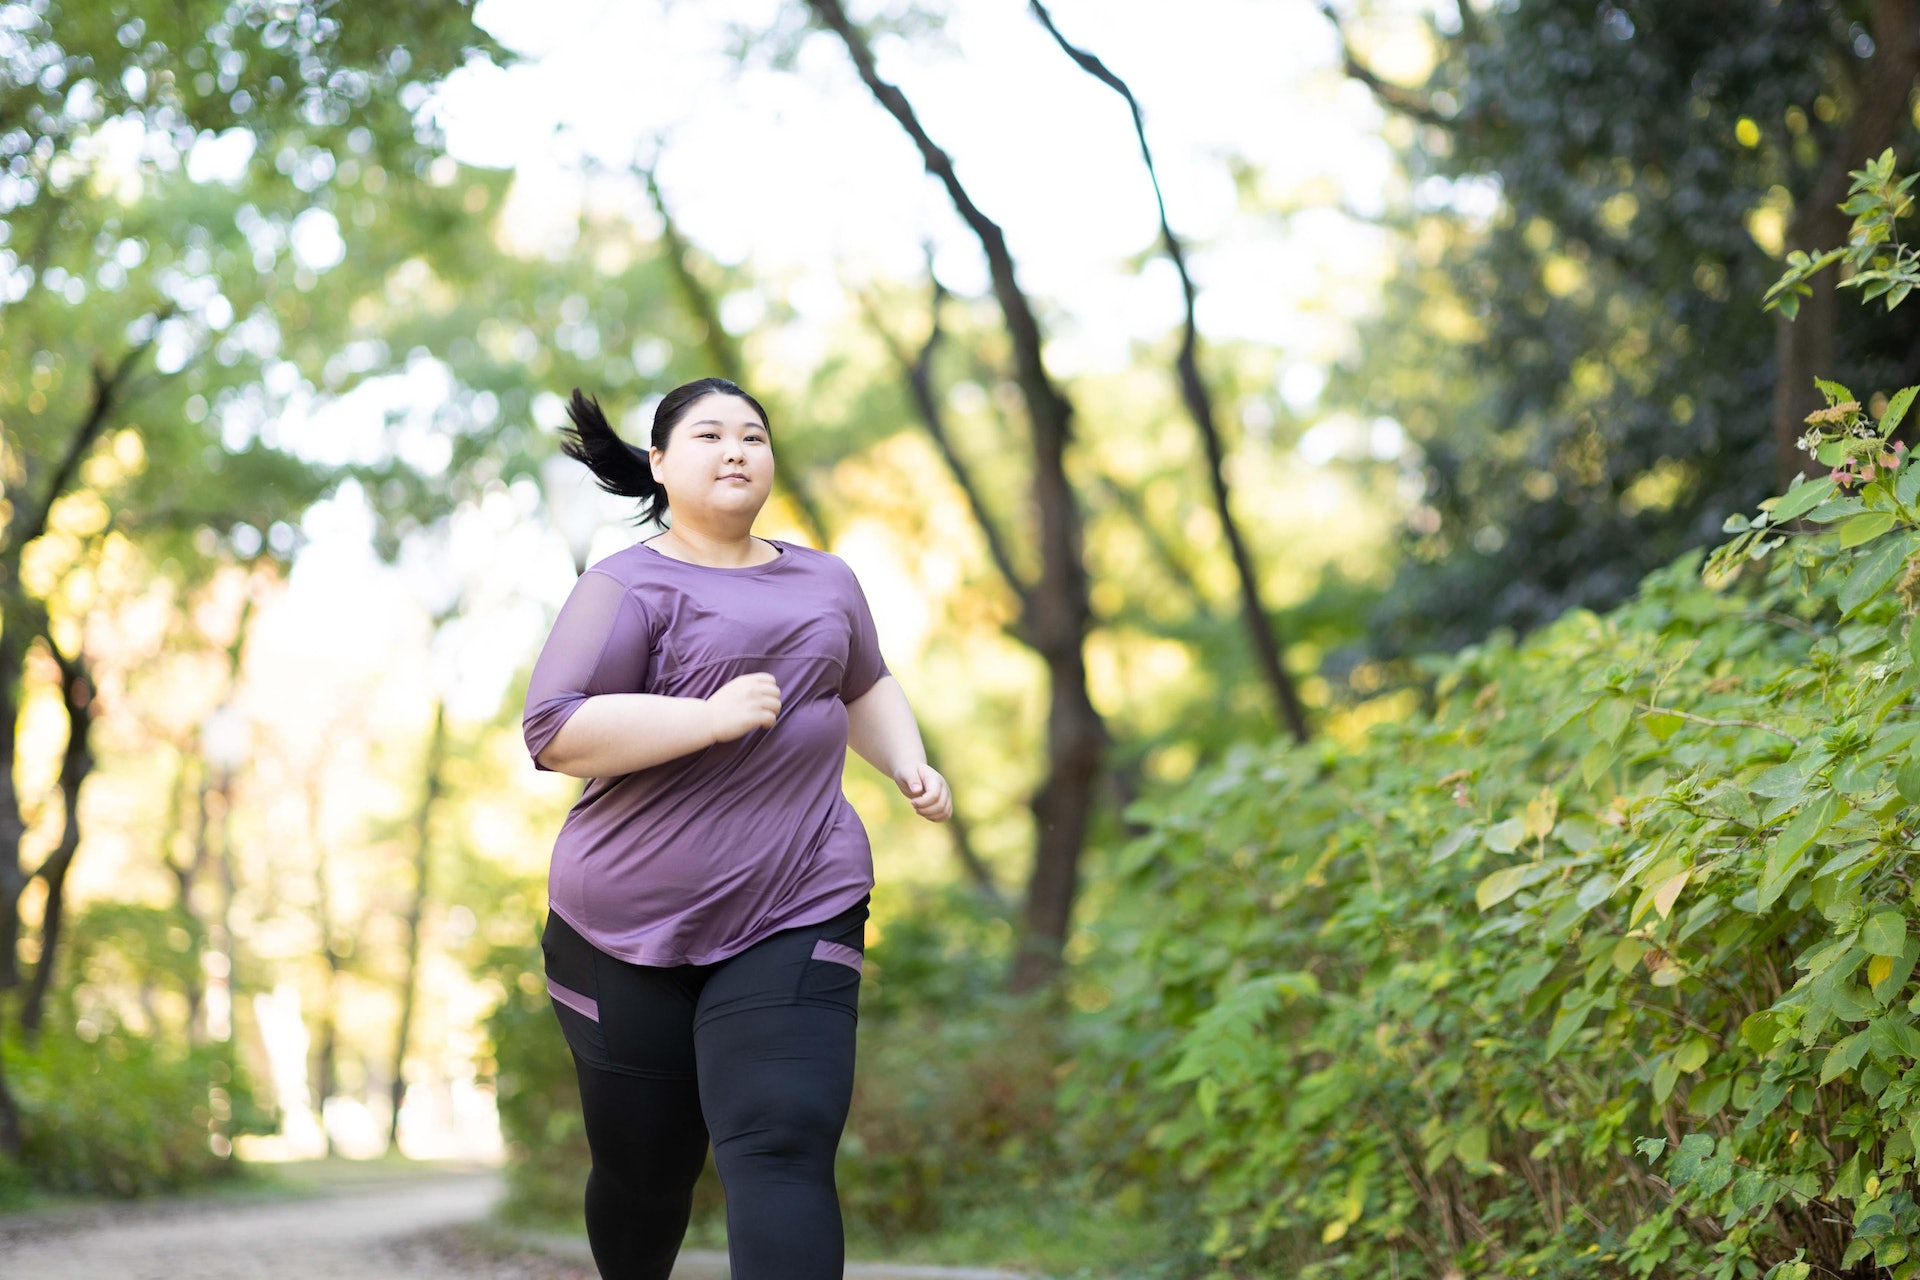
(923, 785)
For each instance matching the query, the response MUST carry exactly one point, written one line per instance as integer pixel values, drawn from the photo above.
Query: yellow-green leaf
(1692, 1055)
(1501, 885)
(1542, 810)
(1665, 896)
(1505, 837)
(1662, 724)
(1864, 528)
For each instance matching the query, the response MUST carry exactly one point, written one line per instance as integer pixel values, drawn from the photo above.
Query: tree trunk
(1061, 616)
(76, 696)
(431, 787)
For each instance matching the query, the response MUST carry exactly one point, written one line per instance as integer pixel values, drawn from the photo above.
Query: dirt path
(412, 1229)
(396, 1231)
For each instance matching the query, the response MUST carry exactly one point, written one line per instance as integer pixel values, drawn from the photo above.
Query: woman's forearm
(620, 733)
(881, 728)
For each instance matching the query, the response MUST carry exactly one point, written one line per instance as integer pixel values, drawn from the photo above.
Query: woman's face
(719, 463)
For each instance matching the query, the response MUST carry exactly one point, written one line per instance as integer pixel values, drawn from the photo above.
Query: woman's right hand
(742, 705)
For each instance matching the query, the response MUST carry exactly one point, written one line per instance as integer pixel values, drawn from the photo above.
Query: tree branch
(721, 349)
(1408, 102)
(918, 371)
(1261, 631)
(30, 520)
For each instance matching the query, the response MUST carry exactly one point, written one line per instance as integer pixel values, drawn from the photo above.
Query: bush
(122, 1116)
(1602, 967)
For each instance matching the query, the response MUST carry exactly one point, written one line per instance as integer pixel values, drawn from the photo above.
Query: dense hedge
(1603, 965)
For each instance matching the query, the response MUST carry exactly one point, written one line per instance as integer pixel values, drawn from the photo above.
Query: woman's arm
(619, 733)
(882, 731)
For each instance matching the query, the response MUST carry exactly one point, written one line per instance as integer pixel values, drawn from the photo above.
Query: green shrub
(1604, 965)
(119, 1115)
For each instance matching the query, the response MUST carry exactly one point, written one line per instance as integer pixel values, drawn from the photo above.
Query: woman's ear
(654, 457)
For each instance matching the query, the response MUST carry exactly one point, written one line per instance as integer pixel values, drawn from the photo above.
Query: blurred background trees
(1600, 192)
(279, 364)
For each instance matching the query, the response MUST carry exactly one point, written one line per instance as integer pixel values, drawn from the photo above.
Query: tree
(147, 308)
(1588, 382)
(1055, 614)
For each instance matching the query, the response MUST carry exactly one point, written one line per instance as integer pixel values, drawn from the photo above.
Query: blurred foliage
(1599, 196)
(1605, 966)
(126, 1107)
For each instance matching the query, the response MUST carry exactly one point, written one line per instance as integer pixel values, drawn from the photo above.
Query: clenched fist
(742, 705)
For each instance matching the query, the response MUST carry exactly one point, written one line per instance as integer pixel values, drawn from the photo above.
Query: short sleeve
(600, 644)
(865, 666)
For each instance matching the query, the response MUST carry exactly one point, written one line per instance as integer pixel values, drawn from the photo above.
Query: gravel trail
(398, 1231)
(402, 1229)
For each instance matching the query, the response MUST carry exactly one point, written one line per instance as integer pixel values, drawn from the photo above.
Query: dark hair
(620, 468)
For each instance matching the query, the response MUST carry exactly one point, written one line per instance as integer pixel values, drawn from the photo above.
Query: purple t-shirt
(697, 859)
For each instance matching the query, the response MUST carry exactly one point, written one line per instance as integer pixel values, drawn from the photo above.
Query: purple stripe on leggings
(848, 956)
(585, 1006)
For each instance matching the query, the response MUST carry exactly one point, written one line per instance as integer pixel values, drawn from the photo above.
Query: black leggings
(756, 1050)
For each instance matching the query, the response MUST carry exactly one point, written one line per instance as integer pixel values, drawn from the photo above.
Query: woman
(709, 891)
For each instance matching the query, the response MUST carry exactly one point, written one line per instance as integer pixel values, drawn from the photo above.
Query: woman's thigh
(775, 1040)
(624, 1018)
(816, 965)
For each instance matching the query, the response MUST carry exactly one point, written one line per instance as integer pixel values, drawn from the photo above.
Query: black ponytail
(617, 466)
(620, 468)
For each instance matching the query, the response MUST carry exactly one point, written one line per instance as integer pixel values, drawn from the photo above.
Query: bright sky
(798, 174)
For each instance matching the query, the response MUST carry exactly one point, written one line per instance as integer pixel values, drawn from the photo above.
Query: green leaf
(1566, 1024)
(1856, 531)
(1844, 1057)
(1837, 509)
(1788, 851)
(1761, 1030)
(1610, 717)
(1884, 934)
(1693, 1055)
(1662, 724)
(1665, 1076)
(1595, 763)
(1472, 1145)
(1802, 498)
(1449, 844)
(1907, 487)
(1897, 409)
(1872, 572)
(1505, 837)
(1506, 882)
(1907, 780)
(1833, 391)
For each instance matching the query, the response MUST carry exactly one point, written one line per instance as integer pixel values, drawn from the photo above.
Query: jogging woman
(709, 891)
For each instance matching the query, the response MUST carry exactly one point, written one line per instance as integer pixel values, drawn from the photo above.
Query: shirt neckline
(786, 554)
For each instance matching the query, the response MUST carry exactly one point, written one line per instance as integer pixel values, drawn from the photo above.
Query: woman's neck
(714, 550)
